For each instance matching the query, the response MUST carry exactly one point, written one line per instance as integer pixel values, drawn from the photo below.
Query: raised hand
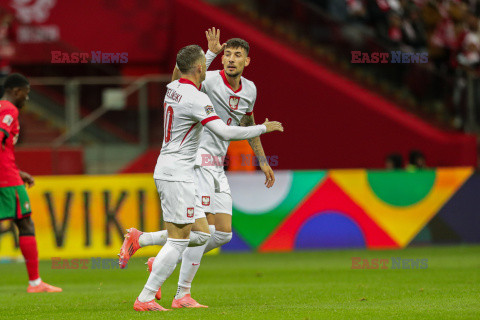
(213, 38)
(273, 126)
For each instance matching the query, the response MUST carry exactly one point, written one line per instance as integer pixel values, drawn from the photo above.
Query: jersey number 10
(168, 122)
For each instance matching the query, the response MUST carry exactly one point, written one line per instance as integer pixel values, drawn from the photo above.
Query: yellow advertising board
(86, 216)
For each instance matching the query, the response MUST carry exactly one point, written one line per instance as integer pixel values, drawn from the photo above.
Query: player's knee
(199, 239)
(204, 237)
(222, 238)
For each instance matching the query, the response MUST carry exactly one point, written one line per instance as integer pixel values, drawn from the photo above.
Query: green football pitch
(298, 285)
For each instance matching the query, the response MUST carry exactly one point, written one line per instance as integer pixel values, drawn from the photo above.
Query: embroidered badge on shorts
(189, 212)
(205, 200)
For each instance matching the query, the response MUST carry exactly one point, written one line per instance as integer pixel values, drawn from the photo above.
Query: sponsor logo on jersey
(8, 119)
(209, 110)
(189, 212)
(233, 102)
(205, 200)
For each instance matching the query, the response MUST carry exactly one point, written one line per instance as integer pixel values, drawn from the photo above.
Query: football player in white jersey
(233, 98)
(187, 110)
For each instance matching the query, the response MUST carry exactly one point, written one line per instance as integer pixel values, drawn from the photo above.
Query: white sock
(218, 239)
(35, 282)
(181, 292)
(163, 266)
(146, 295)
(158, 238)
(190, 264)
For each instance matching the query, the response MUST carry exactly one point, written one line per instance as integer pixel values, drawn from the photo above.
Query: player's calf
(149, 263)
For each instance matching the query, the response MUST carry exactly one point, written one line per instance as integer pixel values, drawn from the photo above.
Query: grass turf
(297, 285)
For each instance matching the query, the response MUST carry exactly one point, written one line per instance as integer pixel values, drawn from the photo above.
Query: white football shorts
(214, 191)
(180, 201)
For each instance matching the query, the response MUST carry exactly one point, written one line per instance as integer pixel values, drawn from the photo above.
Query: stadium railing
(127, 108)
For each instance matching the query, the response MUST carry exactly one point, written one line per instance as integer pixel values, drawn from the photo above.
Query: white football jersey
(187, 110)
(230, 106)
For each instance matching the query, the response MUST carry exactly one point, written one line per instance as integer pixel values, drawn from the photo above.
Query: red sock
(28, 245)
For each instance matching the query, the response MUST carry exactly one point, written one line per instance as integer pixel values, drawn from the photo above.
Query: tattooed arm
(256, 144)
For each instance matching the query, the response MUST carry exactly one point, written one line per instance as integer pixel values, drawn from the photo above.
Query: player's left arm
(256, 145)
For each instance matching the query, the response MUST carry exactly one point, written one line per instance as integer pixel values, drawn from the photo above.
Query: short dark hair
(396, 159)
(187, 56)
(15, 80)
(238, 43)
(414, 156)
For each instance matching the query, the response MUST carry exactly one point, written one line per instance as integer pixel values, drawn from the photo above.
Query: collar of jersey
(186, 81)
(222, 73)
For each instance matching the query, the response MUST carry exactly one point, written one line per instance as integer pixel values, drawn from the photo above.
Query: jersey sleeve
(203, 111)
(250, 106)
(7, 118)
(231, 133)
(209, 57)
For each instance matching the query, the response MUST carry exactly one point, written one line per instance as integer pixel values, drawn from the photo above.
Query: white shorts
(180, 201)
(213, 190)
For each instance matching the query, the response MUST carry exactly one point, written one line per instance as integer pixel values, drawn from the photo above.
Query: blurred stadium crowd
(6, 44)
(448, 30)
